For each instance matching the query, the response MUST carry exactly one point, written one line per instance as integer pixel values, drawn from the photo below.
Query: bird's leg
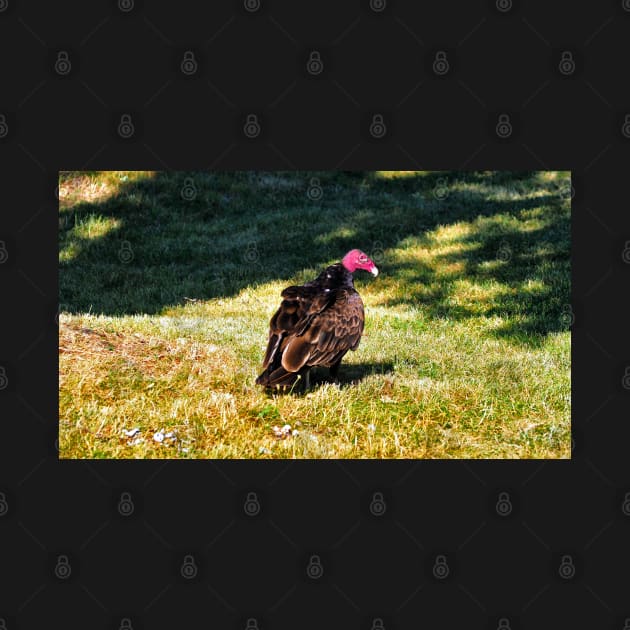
(334, 371)
(307, 379)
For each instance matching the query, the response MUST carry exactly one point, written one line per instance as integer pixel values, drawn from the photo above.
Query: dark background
(559, 558)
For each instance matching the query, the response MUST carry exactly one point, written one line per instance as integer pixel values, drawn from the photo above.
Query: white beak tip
(374, 272)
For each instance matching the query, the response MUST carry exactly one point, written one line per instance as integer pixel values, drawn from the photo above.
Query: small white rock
(282, 432)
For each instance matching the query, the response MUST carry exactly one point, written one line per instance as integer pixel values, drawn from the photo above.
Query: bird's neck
(335, 276)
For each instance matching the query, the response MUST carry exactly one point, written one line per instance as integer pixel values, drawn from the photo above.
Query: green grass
(168, 281)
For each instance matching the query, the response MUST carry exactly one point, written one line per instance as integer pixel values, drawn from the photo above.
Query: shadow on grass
(177, 236)
(351, 373)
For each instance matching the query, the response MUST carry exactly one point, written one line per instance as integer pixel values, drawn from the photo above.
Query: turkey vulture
(316, 324)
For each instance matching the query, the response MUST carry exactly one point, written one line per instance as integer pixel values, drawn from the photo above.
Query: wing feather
(339, 329)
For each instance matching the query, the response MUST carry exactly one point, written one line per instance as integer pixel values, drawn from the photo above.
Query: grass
(168, 281)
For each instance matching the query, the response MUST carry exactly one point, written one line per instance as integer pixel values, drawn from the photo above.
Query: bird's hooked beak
(374, 271)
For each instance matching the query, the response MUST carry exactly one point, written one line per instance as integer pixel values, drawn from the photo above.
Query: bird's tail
(278, 377)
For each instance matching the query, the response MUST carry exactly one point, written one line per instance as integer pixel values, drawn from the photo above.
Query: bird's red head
(356, 259)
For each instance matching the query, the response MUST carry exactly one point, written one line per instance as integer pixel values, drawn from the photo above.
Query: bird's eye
(362, 258)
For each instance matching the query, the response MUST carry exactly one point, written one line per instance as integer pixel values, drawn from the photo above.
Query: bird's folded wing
(296, 312)
(328, 335)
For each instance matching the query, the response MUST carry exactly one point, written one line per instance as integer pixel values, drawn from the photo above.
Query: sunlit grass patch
(396, 174)
(76, 187)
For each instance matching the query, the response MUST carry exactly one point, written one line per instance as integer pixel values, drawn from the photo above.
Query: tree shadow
(157, 241)
(521, 276)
